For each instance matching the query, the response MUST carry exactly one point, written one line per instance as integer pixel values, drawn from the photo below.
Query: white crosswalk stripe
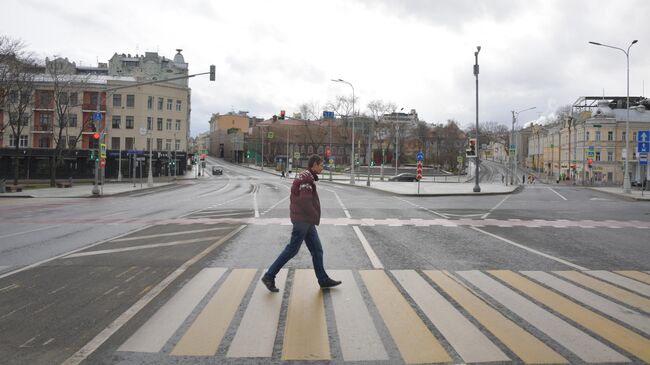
(621, 281)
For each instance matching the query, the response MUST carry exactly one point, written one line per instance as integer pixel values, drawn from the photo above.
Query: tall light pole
(397, 140)
(515, 116)
(626, 178)
(352, 158)
(477, 188)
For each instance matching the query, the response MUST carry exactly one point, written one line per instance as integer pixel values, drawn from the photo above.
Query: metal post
(95, 190)
(369, 153)
(150, 176)
(396, 147)
(477, 188)
(328, 163)
(262, 132)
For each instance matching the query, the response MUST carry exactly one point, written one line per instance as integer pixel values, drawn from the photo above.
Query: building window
(130, 101)
(588, 134)
(624, 136)
(72, 142)
(169, 124)
(159, 144)
(45, 121)
(63, 98)
(72, 120)
(597, 136)
(169, 104)
(148, 143)
(45, 100)
(129, 122)
(13, 96)
(177, 145)
(93, 100)
(159, 124)
(597, 156)
(178, 124)
(22, 141)
(610, 136)
(115, 123)
(610, 156)
(149, 123)
(150, 102)
(129, 142)
(117, 100)
(168, 144)
(634, 137)
(115, 143)
(178, 105)
(74, 99)
(44, 142)
(160, 103)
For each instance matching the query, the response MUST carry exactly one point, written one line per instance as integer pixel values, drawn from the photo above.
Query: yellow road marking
(413, 339)
(205, 334)
(636, 275)
(305, 335)
(523, 344)
(610, 290)
(607, 329)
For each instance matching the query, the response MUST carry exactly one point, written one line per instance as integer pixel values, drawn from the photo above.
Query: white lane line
(622, 281)
(116, 213)
(345, 210)
(369, 251)
(9, 287)
(423, 208)
(275, 205)
(558, 194)
(105, 334)
(134, 248)
(256, 334)
(358, 335)
(463, 336)
(495, 207)
(169, 234)
(153, 335)
(565, 262)
(24, 232)
(606, 306)
(580, 343)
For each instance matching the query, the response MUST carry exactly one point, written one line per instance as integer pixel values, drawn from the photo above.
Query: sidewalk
(618, 191)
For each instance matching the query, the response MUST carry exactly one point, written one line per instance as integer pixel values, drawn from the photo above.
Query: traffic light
(327, 152)
(471, 151)
(590, 162)
(212, 73)
(282, 114)
(96, 136)
(93, 156)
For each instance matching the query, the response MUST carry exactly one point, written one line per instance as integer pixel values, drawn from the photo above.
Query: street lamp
(477, 188)
(515, 116)
(626, 178)
(397, 141)
(352, 159)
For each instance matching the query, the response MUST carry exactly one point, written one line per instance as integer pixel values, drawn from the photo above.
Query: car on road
(216, 170)
(405, 176)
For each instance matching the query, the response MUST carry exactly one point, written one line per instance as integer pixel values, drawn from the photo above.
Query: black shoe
(270, 284)
(329, 283)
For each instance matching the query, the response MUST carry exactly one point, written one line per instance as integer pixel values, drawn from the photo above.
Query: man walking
(305, 216)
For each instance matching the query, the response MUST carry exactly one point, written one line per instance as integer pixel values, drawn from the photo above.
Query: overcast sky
(273, 55)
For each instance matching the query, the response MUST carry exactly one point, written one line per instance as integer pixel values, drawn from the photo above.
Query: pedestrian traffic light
(471, 151)
(92, 155)
(96, 136)
(212, 73)
(282, 114)
(327, 152)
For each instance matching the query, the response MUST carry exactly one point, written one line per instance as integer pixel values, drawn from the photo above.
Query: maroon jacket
(304, 203)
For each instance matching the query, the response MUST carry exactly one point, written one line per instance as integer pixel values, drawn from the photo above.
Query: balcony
(92, 107)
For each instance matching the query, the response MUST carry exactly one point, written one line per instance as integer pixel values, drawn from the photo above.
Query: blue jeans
(301, 232)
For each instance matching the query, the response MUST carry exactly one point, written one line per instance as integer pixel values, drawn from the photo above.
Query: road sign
(102, 149)
(419, 171)
(643, 147)
(331, 161)
(269, 135)
(102, 163)
(420, 156)
(97, 116)
(143, 131)
(328, 115)
(459, 159)
(643, 136)
(643, 159)
(296, 155)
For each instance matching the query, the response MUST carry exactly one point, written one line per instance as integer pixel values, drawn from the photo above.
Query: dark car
(405, 176)
(216, 170)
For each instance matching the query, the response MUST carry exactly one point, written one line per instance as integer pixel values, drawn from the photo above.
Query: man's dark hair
(314, 160)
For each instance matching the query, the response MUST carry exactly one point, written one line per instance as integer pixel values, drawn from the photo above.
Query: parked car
(405, 176)
(216, 170)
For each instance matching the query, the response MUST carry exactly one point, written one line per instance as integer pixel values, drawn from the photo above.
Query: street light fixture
(477, 188)
(626, 178)
(515, 116)
(352, 158)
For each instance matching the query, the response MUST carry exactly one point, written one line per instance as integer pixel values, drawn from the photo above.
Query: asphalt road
(171, 277)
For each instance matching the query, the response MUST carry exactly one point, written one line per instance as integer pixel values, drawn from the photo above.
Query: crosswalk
(406, 316)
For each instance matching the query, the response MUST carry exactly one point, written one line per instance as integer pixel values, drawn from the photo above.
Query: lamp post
(477, 188)
(626, 178)
(351, 159)
(397, 141)
(515, 116)
(150, 174)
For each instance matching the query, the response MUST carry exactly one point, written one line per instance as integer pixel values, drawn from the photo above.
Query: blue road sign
(643, 159)
(97, 116)
(643, 147)
(420, 156)
(643, 136)
(328, 115)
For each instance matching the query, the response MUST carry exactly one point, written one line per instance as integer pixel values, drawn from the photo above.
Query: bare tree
(310, 110)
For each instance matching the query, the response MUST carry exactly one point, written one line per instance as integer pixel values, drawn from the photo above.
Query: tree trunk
(53, 172)
(16, 166)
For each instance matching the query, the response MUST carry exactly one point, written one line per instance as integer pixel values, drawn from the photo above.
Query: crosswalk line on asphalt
(415, 342)
(358, 335)
(581, 344)
(305, 334)
(612, 291)
(206, 332)
(621, 281)
(521, 343)
(462, 335)
(636, 275)
(603, 327)
(153, 335)
(606, 306)
(257, 330)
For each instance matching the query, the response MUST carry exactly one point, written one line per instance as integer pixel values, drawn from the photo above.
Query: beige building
(227, 133)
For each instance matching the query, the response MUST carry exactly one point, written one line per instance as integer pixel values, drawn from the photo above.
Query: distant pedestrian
(523, 179)
(503, 178)
(282, 176)
(305, 212)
